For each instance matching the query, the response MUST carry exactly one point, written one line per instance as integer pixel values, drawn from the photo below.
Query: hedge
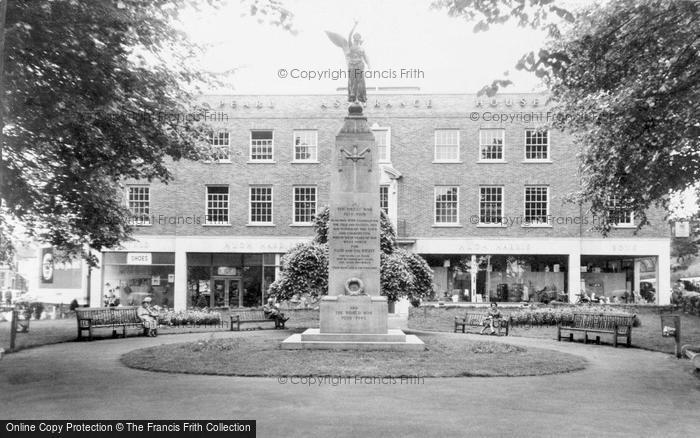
(689, 302)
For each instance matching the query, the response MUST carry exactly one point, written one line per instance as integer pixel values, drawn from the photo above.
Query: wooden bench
(239, 317)
(618, 325)
(477, 319)
(692, 353)
(90, 318)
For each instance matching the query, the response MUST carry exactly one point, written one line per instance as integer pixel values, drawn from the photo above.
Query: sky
(397, 34)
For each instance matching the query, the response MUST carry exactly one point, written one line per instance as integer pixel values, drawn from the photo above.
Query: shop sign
(138, 258)
(226, 270)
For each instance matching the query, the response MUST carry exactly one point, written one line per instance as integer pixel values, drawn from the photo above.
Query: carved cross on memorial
(355, 157)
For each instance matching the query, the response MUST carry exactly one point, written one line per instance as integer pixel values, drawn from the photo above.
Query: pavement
(622, 392)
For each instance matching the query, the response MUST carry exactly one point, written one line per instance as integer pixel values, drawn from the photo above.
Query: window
(304, 205)
(384, 199)
(261, 144)
(536, 144)
(536, 205)
(382, 137)
(139, 204)
(491, 205)
(446, 145)
(491, 144)
(261, 205)
(217, 205)
(446, 205)
(220, 146)
(619, 213)
(305, 145)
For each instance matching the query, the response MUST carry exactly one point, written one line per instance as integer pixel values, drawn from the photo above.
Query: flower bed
(557, 315)
(188, 317)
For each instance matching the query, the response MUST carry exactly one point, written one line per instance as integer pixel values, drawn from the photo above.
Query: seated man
(272, 311)
(493, 316)
(149, 317)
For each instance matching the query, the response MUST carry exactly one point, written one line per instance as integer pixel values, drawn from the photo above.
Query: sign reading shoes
(138, 258)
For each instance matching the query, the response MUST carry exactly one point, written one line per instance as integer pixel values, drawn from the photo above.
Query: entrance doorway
(226, 292)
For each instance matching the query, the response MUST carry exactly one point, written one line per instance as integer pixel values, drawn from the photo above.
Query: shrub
(554, 316)
(188, 317)
(688, 302)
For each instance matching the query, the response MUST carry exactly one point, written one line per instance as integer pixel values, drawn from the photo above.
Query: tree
(305, 267)
(95, 92)
(625, 79)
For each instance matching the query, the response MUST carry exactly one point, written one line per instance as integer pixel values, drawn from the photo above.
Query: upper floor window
(619, 213)
(536, 205)
(261, 145)
(305, 145)
(261, 205)
(490, 205)
(447, 145)
(382, 137)
(536, 145)
(491, 143)
(446, 205)
(217, 205)
(220, 146)
(304, 205)
(139, 204)
(384, 199)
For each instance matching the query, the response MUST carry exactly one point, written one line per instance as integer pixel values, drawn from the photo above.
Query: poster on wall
(171, 278)
(155, 280)
(46, 273)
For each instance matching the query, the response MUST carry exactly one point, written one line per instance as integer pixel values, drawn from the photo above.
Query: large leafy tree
(305, 267)
(625, 76)
(95, 92)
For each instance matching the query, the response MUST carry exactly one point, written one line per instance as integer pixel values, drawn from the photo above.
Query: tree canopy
(305, 267)
(625, 77)
(95, 92)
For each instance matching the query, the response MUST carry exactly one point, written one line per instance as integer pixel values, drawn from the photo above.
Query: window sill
(537, 161)
(254, 224)
(625, 226)
(536, 226)
(480, 225)
(305, 162)
(491, 162)
(261, 162)
(447, 161)
(457, 225)
(302, 224)
(216, 225)
(217, 162)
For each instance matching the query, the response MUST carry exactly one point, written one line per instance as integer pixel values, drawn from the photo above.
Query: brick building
(471, 184)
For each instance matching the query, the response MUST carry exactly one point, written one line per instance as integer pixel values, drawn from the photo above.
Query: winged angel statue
(356, 59)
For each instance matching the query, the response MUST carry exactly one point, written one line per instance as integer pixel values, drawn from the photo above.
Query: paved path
(622, 393)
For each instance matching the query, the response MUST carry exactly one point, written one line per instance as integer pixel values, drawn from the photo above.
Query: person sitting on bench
(272, 311)
(149, 317)
(493, 316)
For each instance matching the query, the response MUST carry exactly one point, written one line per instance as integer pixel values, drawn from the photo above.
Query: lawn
(258, 354)
(647, 335)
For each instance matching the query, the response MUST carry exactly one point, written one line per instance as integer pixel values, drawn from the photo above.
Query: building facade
(474, 185)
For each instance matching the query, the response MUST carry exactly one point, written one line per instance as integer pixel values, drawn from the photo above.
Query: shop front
(128, 277)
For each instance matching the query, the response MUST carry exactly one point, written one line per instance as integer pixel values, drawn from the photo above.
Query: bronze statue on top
(357, 59)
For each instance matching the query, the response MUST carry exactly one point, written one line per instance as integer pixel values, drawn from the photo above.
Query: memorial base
(392, 340)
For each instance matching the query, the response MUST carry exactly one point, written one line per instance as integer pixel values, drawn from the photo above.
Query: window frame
(458, 146)
(611, 205)
(435, 207)
(207, 221)
(536, 160)
(480, 158)
(134, 222)
(294, 205)
(387, 139)
(252, 160)
(314, 158)
(381, 188)
(529, 224)
(213, 134)
(250, 205)
(502, 207)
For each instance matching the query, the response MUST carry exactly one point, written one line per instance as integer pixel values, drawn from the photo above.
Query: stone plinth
(392, 340)
(354, 314)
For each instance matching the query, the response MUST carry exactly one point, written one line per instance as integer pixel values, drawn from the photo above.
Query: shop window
(129, 284)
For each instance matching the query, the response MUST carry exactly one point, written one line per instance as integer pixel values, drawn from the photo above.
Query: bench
(90, 318)
(617, 325)
(477, 319)
(692, 353)
(239, 317)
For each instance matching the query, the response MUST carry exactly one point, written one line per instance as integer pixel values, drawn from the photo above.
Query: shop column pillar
(473, 271)
(663, 275)
(574, 275)
(637, 272)
(180, 286)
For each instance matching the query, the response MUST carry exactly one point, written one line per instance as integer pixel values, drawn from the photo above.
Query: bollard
(13, 330)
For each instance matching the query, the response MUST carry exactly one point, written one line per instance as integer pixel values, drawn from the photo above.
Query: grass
(259, 354)
(646, 336)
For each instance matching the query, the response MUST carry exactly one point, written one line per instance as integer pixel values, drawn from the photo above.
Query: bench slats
(619, 325)
(477, 319)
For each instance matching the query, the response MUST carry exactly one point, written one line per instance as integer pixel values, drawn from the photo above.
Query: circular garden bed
(259, 354)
